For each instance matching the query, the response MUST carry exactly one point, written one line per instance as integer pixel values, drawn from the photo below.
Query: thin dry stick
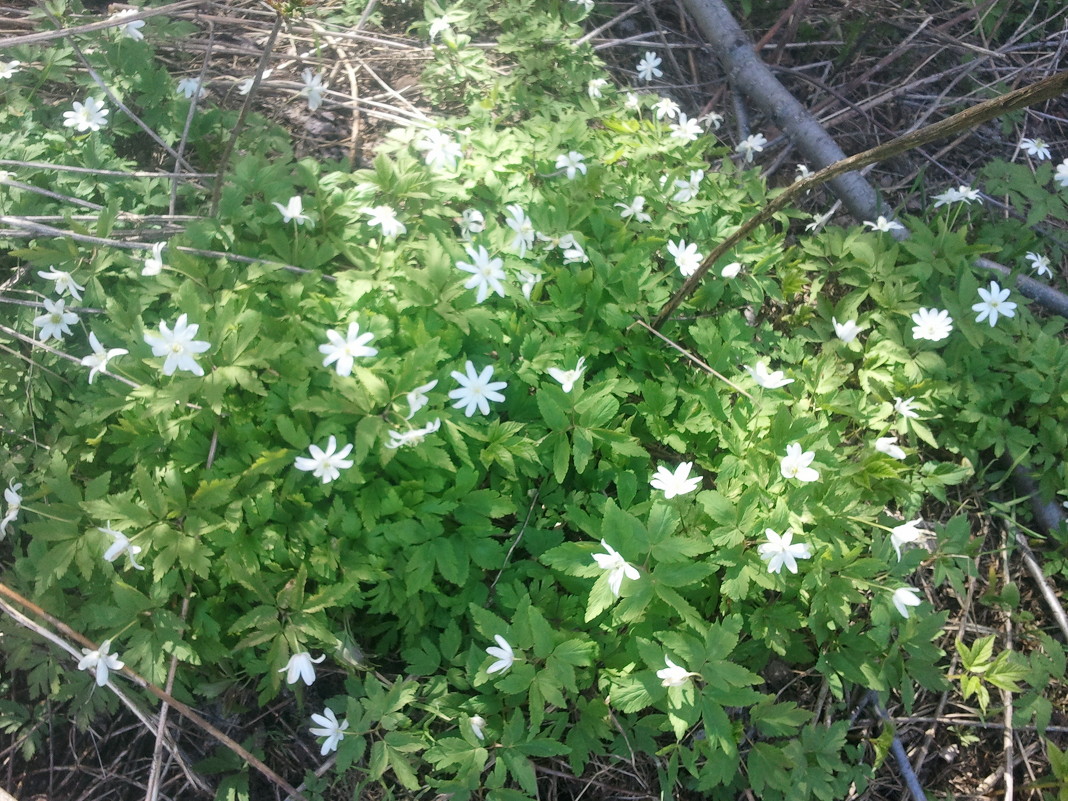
(1007, 736)
(1049, 595)
(193, 101)
(46, 165)
(152, 793)
(47, 36)
(978, 114)
(225, 158)
(115, 98)
(182, 709)
(11, 332)
(707, 368)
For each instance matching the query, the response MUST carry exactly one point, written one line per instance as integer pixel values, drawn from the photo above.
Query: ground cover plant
(391, 460)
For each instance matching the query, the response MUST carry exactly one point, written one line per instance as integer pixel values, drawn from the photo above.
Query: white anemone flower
(346, 350)
(487, 274)
(571, 163)
(766, 379)
(889, 446)
(677, 482)
(154, 264)
(64, 282)
(120, 544)
(301, 667)
(100, 662)
(327, 464)
(616, 566)
(751, 145)
(568, 378)
(177, 346)
(846, 331)
(796, 464)
(293, 211)
(648, 67)
(417, 398)
(313, 88)
(55, 323)
(476, 389)
(994, 303)
(905, 533)
(673, 675)
(903, 598)
(92, 115)
(932, 324)
(330, 728)
(502, 652)
(779, 550)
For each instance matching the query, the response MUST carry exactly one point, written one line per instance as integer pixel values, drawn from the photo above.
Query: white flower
(819, 220)
(687, 190)
(246, 85)
(846, 331)
(750, 145)
(65, 283)
(301, 666)
(56, 321)
(98, 360)
(471, 222)
(573, 252)
(634, 209)
(478, 724)
(88, 116)
(476, 390)
(293, 211)
(417, 398)
(803, 172)
(687, 259)
(732, 269)
(903, 598)
(486, 273)
(889, 446)
(120, 545)
(768, 380)
(905, 533)
(795, 464)
(666, 107)
(994, 302)
(346, 350)
(327, 464)
(100, 662)
(8, 69)
(688, 130)
(14, 505)
(904, 407)
(883, 224)
(617, 568)
(398, 439)
(386, 217)
(567, 378)
(1061, 176)
(190, 87)
(571, 163)
(711, 120)
(947, 197)
(779, 551)
(632, 102)
(330, 728)
(313, 88)
(524, 229)
(1036, 148)
(178, 346)
(932, 324)
(441, 150)
(962, 193)
(504, 654)
(675, 483)
(527, 283)
(648, 66)
(132, 29)
(594, 87)
(673, 675)
(1039, 263)
(154, 263)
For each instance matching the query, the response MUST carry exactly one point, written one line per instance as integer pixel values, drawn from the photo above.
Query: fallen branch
(976, 115)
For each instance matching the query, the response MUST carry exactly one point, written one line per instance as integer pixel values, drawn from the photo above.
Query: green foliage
(448, 530)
